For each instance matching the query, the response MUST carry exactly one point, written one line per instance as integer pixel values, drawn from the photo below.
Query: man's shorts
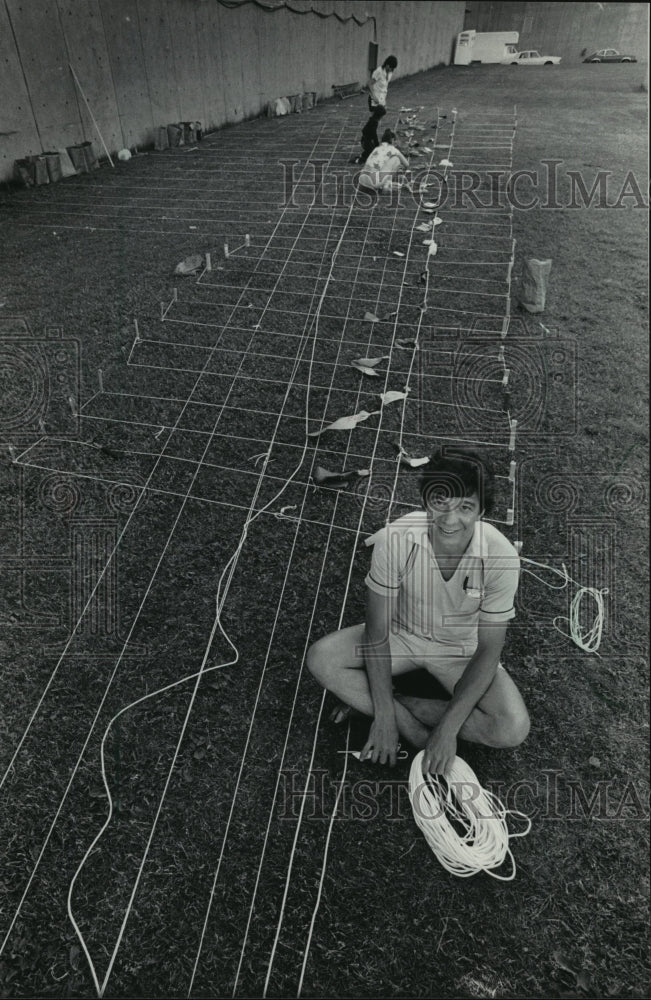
(410, 651)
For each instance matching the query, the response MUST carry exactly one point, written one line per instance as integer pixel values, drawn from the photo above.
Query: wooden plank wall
(144, 63)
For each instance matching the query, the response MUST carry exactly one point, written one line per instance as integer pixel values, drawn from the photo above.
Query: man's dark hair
(458, 473)
(390, 63)
(388, 135)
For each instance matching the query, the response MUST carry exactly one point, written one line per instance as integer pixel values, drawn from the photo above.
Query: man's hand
(382, 743)
(440, 751)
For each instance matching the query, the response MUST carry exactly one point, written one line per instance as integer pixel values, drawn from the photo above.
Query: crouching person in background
(383, 167)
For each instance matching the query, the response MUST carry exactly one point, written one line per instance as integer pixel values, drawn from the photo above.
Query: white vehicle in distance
(530, 58)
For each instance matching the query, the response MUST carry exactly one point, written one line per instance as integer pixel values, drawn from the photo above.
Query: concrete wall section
(44, 60)
(18, 133)
(569, 30)
(213, 109)
(144, 63)
(185, 64)
(87, 50)
(158, 54)
(124, 42)
(252, 69)
(231, 62)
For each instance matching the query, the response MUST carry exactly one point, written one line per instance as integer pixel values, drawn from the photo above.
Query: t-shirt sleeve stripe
(386, 586)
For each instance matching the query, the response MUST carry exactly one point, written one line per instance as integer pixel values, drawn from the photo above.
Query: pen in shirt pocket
(470, 591)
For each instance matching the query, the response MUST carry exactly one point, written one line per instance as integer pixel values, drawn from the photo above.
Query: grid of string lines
(221, 596)
(309, 770)
(312, 318)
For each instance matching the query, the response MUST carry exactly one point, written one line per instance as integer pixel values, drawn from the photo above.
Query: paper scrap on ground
(437, 221)
(406, 459)
(364, 369)
(372, 318)
(445, 163)
(424, 227)
(335, 480)
(397, 253)
(190, 265)
(371, 362)
(345, 423)
(429, 204)
(392, 396)
(433, 247)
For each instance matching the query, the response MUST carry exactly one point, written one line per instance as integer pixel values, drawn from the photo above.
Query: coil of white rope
(463, 823)
(587, 639)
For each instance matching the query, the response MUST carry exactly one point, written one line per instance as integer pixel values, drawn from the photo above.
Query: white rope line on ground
(208, 500)
(62, 656)
(292, 709)
(274, 357)
(188, 430)
(334, 811)
(276, 334)
(204, 209)
(343, 366)
(315, 911)
(102, 574)
(229, 223)
(236, 506)
(340, 389)
(287, 736)
(220, 599)
(442, 807)
(336, 316)
(280, 333)
(317, 904)
(314, 745)
(289, 416)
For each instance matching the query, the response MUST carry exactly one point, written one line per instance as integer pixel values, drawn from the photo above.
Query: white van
(484, 46)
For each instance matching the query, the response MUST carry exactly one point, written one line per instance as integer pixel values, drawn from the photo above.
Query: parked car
(530, 58)
(609, 55)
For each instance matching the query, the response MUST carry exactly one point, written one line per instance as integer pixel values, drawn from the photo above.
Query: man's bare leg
(500, 718)
(339, 667)
(351, 687)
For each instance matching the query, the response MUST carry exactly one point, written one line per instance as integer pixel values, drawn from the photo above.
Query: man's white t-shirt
(379, 85)
(381, 165)
(481, 590)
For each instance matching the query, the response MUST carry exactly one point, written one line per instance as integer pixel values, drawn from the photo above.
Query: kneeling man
(440, 594)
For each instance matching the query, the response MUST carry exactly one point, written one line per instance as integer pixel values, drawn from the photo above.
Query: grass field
(225, 870)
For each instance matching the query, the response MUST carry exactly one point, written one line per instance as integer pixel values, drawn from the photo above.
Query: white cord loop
(588, 640)
(444, 807)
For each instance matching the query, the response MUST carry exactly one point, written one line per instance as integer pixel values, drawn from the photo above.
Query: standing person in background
(379, 83)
